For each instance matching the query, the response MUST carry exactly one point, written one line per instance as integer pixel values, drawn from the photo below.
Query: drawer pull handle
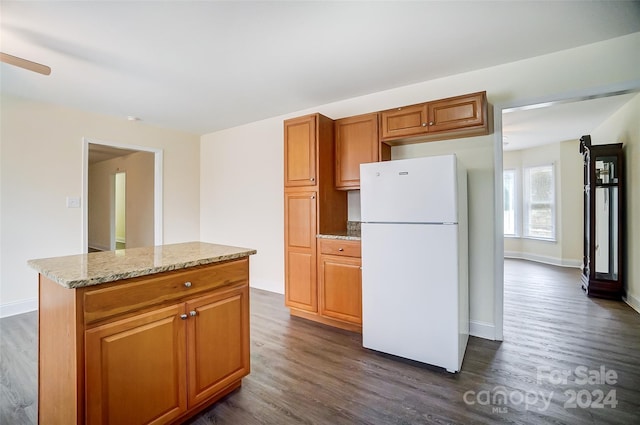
(340, 249)
(187, 284)
(183, 316)
(193, 313)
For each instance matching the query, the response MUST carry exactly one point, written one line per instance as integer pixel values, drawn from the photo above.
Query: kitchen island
(141, 336)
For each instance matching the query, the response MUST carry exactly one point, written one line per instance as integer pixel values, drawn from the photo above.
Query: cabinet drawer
(340, 247)
(110, 300)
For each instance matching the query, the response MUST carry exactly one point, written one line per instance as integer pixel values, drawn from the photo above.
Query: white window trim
(525, 208)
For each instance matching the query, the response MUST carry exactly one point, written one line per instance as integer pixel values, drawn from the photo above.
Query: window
(509, 184)
(539, 202)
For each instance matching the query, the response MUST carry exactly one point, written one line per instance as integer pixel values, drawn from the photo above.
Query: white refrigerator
(415, 296)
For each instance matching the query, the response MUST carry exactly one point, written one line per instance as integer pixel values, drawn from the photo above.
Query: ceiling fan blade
(26, 64)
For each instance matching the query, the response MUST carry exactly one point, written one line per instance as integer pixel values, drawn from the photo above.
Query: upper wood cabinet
(460, 116)
(357, 143)
(300, 151)
(404, 121)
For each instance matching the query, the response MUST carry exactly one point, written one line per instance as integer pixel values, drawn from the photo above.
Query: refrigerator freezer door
(417, 190)
(410, 292)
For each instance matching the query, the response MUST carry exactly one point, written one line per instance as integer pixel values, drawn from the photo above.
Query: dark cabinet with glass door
(604, 219)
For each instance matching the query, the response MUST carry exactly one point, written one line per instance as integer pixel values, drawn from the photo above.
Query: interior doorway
(120, 210)
(122, 187)
(531, 104)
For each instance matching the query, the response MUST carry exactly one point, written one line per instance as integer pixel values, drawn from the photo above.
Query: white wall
(242, 170)
(138, 211)
(41, 165)
(566, 250)
(624, 127)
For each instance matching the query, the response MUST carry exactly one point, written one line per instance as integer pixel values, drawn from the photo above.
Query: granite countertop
(76, 271)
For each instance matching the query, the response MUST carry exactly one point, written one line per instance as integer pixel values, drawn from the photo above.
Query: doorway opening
(577, 98)
(122, 188)
(120, 210)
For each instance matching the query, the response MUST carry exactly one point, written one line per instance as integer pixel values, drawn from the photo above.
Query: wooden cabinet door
(457, 113)
(403, 122)
(300, 250)
(218, 342)
(300, 151)
(136, 369)
(341, 288)
(356, 143)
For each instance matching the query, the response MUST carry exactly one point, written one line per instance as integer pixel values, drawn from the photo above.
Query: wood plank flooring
(305, 373)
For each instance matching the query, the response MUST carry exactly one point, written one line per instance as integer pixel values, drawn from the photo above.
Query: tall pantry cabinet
(312, 205)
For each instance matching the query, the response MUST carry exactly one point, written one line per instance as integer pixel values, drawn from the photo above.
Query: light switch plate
(73, 202)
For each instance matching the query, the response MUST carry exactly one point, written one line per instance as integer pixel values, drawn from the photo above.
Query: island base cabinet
(158, 362)
(218, 343)
(135, 369)
(152, 368)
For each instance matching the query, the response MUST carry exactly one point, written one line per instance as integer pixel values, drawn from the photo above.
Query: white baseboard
(267, 285)
(482, 330)
(633, 302)
(18, 307)
(554, 261)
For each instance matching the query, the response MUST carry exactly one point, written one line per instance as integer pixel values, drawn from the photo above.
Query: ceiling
(537, 125)
(99, 153)
(202, 66)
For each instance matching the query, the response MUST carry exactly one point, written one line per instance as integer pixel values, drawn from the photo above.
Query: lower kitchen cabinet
(147, 350)
(341, 288)
(217, 342)
(136, 369)
(152, 367)
(340, 281)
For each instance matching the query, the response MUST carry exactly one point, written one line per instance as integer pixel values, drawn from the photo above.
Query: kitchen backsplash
(353, 205)
(353, 228)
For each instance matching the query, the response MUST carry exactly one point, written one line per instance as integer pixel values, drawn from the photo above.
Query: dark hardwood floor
(305, 373)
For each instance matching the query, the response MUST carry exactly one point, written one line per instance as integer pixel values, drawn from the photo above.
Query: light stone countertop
(76, 271)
